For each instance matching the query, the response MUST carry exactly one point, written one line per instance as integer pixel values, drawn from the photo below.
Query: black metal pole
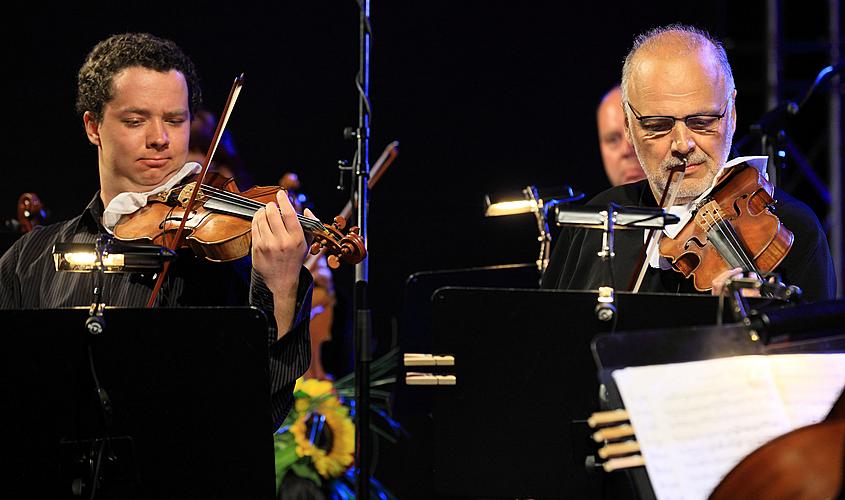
(362, 326)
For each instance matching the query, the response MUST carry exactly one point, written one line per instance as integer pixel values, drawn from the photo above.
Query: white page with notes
(695, 421)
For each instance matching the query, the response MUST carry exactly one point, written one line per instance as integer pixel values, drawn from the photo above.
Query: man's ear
(627, 127)
(733, 115)
(92, 128)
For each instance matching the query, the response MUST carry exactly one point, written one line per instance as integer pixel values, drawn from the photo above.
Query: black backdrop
(482, 95)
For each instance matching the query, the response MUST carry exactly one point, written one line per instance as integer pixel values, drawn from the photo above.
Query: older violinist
(678, 98)
(137, 94)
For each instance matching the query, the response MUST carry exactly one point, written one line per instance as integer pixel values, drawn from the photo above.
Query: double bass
(808, 462)
(323, 299)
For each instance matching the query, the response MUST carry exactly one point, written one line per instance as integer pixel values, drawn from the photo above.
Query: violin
(734, 227)
(218, 227)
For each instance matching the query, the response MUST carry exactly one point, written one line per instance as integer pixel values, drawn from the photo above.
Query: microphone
(824, 75)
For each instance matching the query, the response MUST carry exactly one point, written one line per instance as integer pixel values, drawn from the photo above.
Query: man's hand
(278, 251)
(719, 283)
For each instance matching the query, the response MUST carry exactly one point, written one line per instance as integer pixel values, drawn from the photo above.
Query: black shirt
(28, 280)
(574, 264)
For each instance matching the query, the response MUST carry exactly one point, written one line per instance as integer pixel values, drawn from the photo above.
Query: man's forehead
(673, 75)
(610, 110)
(143, 88)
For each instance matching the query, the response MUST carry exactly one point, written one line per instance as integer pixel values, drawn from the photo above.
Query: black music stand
(189, 393)
(807, 328)
(412, 406)
(513, 425)
(420, 286)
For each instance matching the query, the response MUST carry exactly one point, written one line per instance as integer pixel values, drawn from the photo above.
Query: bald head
(617, 154)
(679, 72)
(674, 41)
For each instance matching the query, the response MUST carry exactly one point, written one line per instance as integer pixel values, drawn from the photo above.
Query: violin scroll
(349, 247)
(30, 212)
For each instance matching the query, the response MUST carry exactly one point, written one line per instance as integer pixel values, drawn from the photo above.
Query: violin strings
(730, 238)
(734, 237)
(714, 224)
(237, 200)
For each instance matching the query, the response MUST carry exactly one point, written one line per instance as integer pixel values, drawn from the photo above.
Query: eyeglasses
(662, 124)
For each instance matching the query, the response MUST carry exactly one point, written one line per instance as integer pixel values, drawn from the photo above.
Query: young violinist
(137, 95)
(679, 105)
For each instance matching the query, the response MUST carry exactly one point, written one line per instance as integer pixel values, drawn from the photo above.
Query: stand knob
(95, 325)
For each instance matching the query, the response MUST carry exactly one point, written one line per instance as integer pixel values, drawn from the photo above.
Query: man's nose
(682, 140)
(627, 148)
(157, 137)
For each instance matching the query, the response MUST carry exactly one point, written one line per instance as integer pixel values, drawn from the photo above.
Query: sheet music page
(809, 384)
(695, 421)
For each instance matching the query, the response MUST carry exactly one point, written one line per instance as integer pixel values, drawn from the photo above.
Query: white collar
(128, 203)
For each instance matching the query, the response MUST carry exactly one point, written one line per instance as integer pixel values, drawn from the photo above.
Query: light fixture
(595, 217)
(117, 257)
(513, 207)
(530, 202)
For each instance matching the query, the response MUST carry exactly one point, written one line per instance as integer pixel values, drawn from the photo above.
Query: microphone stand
(771, 130)
(362, 327)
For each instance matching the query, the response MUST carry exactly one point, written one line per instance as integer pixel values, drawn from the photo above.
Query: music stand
(513, 425)
(412, 405)
(190, 406)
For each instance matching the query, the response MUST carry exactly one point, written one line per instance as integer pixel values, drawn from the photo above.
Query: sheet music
(809, 384)
(695, 421)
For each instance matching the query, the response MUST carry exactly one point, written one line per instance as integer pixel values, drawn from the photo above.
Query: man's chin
(156, 177)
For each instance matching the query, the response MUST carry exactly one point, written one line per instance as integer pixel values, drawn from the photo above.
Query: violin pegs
(355, 230)
(333, 261)
(339, 222)
(315, 248)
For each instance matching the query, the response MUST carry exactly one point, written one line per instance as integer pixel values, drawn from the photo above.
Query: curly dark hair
(118, 52)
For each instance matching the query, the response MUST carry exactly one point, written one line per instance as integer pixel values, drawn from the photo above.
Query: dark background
(484, 96)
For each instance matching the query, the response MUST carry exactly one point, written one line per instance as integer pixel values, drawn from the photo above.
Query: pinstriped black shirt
(28, 280)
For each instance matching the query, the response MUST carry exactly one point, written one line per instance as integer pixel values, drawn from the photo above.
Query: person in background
(617, 154)
(227, 161)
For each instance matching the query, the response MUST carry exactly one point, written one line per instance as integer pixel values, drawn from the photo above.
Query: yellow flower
(339, 432)
(315, 387)
(342, 452)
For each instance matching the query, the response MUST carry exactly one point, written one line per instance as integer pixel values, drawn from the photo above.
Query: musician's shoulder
(792, 209)
(625, 194)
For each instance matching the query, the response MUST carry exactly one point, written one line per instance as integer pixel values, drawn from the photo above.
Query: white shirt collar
(128, 203)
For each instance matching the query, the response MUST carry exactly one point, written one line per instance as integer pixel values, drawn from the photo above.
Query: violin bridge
(708, 214)
(186, 192)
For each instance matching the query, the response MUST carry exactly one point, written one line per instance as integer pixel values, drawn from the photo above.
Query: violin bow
(221, 125)
(650, 245)
(378, 169)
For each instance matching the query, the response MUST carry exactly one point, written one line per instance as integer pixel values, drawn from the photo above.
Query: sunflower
(323, 430)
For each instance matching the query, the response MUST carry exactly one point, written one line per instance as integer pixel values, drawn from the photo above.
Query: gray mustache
(690, 161)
